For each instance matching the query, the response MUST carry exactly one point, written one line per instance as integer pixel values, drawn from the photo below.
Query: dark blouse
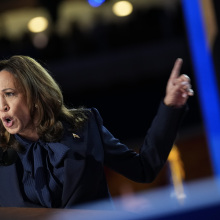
(43, 171)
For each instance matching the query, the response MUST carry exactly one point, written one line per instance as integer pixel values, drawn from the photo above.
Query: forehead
(7, 80)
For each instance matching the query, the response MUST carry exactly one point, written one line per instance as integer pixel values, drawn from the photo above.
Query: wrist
(171, 104)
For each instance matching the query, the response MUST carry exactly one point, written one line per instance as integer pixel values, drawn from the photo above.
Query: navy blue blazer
(96, 147)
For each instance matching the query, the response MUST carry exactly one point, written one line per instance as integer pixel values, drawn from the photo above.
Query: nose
(4, 107)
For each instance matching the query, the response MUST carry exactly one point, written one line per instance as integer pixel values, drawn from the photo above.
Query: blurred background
(117, 56)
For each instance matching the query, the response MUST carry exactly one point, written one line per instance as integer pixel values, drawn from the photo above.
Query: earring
(35, 105)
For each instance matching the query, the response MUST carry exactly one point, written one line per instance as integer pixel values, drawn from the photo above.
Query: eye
(9, 94)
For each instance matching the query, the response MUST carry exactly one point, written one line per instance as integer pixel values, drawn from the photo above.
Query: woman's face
(14, 111)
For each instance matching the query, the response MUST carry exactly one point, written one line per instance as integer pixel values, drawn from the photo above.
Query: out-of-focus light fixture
(40, 40)
(38, 24)
(96, 3)
(122, 8)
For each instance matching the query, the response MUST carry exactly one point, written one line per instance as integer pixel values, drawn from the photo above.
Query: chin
(12, 131)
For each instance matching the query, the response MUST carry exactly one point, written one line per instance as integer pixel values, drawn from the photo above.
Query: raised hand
(178, 87)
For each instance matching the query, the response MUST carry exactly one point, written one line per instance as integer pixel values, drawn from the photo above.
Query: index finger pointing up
(176, 69)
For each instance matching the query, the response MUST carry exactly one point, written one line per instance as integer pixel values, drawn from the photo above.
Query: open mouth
(8, 122)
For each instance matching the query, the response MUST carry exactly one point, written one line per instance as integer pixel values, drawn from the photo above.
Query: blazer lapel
(74, 164)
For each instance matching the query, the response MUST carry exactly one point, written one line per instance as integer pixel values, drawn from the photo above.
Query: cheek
(23, 114)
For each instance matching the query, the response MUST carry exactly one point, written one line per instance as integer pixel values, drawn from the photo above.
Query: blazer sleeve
(145, 165)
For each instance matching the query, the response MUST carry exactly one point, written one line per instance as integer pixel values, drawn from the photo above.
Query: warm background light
(122, 8)
(38, 24)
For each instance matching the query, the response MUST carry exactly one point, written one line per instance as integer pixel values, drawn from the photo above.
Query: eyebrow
(7, 89)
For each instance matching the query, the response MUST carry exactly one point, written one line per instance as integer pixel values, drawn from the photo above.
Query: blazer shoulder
(96, 115)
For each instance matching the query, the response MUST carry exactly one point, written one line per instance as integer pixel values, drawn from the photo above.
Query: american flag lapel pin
(75, 135)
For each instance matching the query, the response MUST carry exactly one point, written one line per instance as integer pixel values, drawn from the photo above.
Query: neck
(31, 135)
